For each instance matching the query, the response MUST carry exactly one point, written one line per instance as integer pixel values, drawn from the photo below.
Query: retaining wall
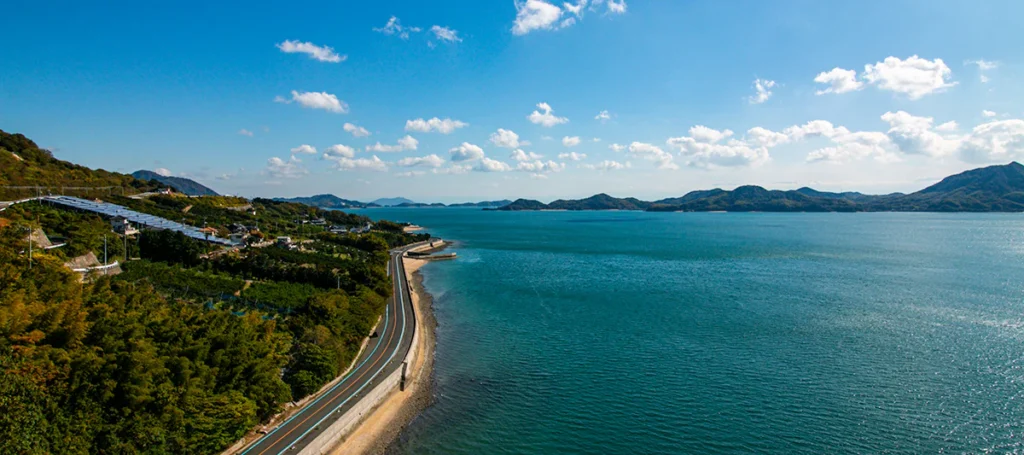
(341, 427)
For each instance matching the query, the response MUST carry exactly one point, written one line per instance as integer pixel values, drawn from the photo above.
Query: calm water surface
(624, 332)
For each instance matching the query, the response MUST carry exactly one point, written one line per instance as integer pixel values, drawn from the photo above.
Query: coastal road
(380, 358)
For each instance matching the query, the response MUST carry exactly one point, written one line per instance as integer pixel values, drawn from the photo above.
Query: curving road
(381, 357)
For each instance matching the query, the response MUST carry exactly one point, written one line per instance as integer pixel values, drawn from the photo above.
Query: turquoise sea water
(677, 333)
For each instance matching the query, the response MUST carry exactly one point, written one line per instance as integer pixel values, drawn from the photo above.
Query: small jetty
(429, 252)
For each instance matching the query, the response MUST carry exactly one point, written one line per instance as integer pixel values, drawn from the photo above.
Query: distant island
(182, 185)
(392, 201)
(989, 189)
(327, 201)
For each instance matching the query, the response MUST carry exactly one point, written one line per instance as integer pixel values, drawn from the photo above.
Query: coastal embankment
(384, 423)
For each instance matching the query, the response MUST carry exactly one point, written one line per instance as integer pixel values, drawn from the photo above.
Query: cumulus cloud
(278, 168)
(320, 53)
(546, 119)
(163, 171)
(571, 141)
(245, 132)
(763, 137)
(839, 81)
(446, 126)
(988, 114)
(520, 155)
(339, 151)
(466, 152)
(404, 144)
(535, 15)
(316, 100)
(304, 149)
(410, 173)
(704, 147)
(489, 165)
(762, 91)
(445, 34)
(998, 141)
(505, 138)
(914, 135)
(365, 164)
(650, 152)
(395, 27)
(616, 7)
(607, 165)
(431, 160)
(356, 131)
(540, 167)
(914, 77)
(603, 116)
(949, 126)
(572, 156)
(617, 147)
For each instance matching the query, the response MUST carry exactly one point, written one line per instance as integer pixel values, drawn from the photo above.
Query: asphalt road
(382, 356)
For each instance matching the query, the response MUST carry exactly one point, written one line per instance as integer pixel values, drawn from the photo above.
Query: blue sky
(190, 89)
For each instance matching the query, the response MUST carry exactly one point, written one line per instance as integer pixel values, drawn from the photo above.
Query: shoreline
(385, 422)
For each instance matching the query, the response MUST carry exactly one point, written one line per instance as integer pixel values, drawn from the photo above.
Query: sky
(479, 100)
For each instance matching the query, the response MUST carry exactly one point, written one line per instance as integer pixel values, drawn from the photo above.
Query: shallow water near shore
(631, 332)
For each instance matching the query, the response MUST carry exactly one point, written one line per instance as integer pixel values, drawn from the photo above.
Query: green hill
(24, 164)
(326, 201)
(180, 184)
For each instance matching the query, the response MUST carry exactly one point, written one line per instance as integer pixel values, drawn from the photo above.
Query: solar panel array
(142, 219)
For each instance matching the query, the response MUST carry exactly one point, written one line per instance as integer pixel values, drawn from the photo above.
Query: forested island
(192, 345)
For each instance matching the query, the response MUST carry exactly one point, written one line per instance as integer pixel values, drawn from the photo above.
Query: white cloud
(572, 156)
(988, 114)
(304, 149)
(404, 144)
(576, 9)
(546, 119)
(278, 168)
(394, 27)
(431, 160)
(410, 174)
(616, 7)
(607, 165)
(535, 15)
(650, 152)
(505, 138)
(364, 164)
(520, 155)
(997, 141)
(603, 116)
(466, 152)
(914, 135)
(704, 148)
(316, 100)
(163, 171)
(914, 77)
(321, 53)
(571, 141)
(356, 131)
(948, 126)
(983, 67)
(446, 126)
(762, 91)
(339, 151)
(540, 167)
(453, 169)
(763, 137)
(617, 147)
(445, 34)
(245, 132)
(839, 81)
(489, 165)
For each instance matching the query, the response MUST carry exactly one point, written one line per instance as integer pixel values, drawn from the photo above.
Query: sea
(723, 333)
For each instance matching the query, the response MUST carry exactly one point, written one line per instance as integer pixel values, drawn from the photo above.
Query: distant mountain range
(180, 184)
(989, 189)
(328, 201)
(392, 201)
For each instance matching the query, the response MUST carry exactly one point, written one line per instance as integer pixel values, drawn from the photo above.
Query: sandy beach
(387, 420)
